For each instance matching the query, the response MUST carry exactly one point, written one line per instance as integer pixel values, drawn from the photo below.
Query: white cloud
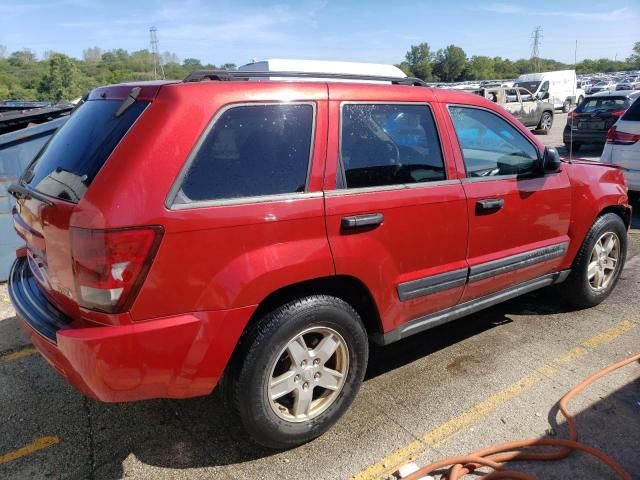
(514, 9)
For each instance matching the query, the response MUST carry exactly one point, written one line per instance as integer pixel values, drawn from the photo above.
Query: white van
(559, 88)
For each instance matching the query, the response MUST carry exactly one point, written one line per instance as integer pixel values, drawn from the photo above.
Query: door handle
(489, 205)
(368, 220)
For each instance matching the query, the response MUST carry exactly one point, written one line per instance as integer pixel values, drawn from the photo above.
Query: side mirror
(551, 162)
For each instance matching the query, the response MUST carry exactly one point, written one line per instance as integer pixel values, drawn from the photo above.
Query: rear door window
(69, 162)
(389, 144)
(251, 151)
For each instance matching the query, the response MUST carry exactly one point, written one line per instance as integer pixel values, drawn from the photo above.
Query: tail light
(109, 266)
(618, 113)
(621, 138)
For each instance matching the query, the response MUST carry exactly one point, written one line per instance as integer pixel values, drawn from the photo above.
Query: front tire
(546, 121)
(566, 106)
(600, 260)
(297, 371)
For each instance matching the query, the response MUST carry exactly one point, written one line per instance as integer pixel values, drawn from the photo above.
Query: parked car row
(617, 81)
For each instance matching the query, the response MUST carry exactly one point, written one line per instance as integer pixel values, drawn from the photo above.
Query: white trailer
(559, 88)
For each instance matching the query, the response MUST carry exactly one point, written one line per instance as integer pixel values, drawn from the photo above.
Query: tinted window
(251, 151)
(490, 145)
(633, 114)
(389, 145)
(68, 163)
(602, 104)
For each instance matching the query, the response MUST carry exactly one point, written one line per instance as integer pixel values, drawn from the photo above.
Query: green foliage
(59, 77)
(62, 81)
(418, 61)
(450, 63)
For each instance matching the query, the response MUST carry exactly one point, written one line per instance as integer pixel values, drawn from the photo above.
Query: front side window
(389, 144)
(490, 145)
(252, 150)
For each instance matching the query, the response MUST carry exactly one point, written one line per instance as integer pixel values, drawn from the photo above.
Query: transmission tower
(155, 51)
(536, 40)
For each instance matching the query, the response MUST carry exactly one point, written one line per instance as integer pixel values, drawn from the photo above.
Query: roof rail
(227, 75)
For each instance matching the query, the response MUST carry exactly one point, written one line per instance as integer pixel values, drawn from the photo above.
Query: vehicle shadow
(385, 359)
(200, 432)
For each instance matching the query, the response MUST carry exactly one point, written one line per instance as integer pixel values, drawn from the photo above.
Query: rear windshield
(602, 104)
(68, 163)
(633, 114)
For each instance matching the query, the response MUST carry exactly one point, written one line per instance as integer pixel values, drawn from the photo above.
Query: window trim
(170, 201)
(467, 178)
(400, 186)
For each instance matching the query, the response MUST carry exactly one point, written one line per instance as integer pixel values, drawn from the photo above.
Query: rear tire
(598, 264)
(285, 352)
(566, 106)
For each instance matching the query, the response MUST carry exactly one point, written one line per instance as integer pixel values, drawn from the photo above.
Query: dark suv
(259, 233)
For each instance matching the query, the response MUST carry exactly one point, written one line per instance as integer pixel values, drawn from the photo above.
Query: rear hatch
(624, 139)
(597, 114)
(56, 180)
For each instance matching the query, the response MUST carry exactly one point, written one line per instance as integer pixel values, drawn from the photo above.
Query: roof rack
(227, 75)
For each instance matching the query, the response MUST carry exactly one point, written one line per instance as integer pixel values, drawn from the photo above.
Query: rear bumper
(593, 136)
(172, 357)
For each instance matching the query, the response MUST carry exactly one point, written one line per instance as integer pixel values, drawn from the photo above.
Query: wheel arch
(622, 211)
(346, 287)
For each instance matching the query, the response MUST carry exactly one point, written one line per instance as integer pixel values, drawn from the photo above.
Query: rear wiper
(18, 191)
(127, 102)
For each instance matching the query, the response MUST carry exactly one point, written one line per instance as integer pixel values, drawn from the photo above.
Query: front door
(396, 213)
(518, 218)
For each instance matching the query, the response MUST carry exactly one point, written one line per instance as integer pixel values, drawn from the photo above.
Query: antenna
(155, 51)
(536, 40)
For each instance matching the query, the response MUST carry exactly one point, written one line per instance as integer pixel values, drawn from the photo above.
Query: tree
(169, 57)
(62, 82)
(481, 68)
(228, 66)
(3, 52)
(634, 59)
(450, 63)
(92, 55)
(22, 57)
(418, 61)
(191, 63)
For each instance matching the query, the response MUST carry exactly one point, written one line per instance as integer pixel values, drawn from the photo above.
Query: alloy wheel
(308, 374)
(603, 261)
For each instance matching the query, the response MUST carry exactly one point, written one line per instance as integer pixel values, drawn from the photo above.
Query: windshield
(531, 86)
(604, 104)
(68, 163)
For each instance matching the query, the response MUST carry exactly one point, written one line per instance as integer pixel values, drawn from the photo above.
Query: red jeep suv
(259, 233)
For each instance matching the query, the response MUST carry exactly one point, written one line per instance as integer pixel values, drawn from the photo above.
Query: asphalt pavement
(491, 377)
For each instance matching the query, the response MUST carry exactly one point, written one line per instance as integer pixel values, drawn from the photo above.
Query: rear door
(396, 211)
(518, 218)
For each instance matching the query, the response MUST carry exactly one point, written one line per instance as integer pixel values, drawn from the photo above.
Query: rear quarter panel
(594, 188)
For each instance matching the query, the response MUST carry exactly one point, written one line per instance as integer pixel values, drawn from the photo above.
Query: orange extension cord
(495, 456)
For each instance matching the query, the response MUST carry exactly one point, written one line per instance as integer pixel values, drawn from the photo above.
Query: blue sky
(374, 31)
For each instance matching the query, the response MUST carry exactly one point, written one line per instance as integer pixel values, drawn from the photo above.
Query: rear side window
(69, 162)
(633, 114)
(252, 150)
(389, 144)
